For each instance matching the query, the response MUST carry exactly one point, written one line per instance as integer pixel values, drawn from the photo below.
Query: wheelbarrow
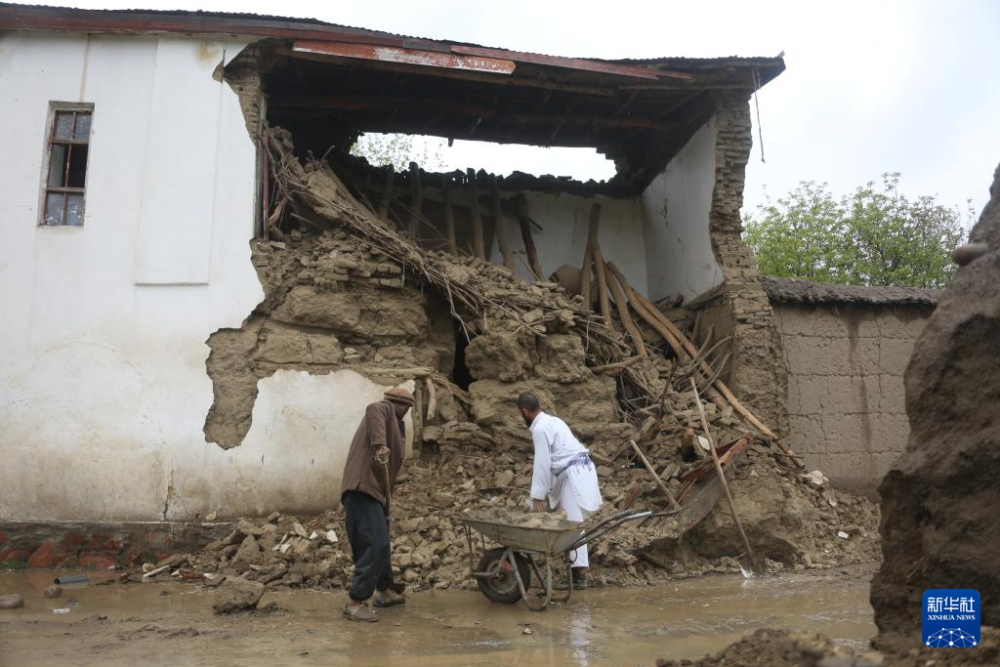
(504, 572)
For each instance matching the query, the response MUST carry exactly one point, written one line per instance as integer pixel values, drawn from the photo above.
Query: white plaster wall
(565, 220)
(103, 389)
(676, 205)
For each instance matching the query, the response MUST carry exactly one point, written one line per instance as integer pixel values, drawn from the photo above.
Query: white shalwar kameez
(564, 474)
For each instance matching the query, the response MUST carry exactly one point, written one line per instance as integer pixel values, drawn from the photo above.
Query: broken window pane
(54, 208)
(67, 168)
(77, 166)
(74, 210)
(57, 166)
(82, 127)
(64, 125)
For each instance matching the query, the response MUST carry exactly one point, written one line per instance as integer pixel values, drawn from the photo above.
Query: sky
(909, 86)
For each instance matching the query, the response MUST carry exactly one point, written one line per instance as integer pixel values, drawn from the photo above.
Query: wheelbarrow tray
(538, 540)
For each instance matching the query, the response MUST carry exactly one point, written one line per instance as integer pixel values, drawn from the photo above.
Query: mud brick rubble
(344, 290)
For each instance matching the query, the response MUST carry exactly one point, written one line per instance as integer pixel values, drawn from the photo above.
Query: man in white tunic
(563, 475)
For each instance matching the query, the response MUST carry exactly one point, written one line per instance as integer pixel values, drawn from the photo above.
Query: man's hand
(382, 455)
(538, 505)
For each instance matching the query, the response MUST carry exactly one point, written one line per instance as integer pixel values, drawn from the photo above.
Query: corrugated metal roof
(13, 14)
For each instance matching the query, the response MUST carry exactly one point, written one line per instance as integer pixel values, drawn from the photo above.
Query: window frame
(50, 141)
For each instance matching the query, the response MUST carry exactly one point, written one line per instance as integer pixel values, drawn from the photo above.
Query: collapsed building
(202, 378)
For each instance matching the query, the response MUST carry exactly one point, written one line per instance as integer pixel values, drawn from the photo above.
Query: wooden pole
(524, 221)
(722, 478)
(602, 286)
(416, 201)
(501, 228)
(659, 482)
(478, 243)
(449, 216)
(383, 205)
(623, 315)
(588, 257)
(684, 349)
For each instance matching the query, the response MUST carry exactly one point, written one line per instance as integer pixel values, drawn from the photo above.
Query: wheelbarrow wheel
(502, 586)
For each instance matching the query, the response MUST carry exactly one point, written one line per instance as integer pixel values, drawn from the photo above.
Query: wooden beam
(478, 242)
(500, 229)
(449, 107)
(449, 215)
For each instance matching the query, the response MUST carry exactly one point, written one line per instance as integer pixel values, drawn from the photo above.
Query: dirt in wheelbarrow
(173, 624)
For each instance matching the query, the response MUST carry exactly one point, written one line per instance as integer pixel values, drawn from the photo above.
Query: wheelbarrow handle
(605, 526)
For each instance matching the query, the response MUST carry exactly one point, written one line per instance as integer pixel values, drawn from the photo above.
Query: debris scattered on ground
(53, 591)
(788, 648)
(15, 601)
(237, 594)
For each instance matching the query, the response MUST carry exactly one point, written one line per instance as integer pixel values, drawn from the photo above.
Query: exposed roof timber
(343, 103)
(417, 57)
(543, 83)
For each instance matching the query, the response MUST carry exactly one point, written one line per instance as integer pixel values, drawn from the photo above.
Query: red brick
(73, 541)
(12, 555)
(48, 555)
(98, 559)
(104, 541)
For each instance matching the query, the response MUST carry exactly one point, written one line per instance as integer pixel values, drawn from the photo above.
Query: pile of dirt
(939, 499)
(468, 472)
(767, 648)
(787, 648)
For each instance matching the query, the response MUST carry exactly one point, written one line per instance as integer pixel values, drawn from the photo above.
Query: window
(69, 144)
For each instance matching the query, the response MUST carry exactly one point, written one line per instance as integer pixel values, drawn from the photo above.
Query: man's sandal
(363, 613)
(381, 601)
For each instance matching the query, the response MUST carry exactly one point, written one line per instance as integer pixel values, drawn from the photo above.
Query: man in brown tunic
(378, 445)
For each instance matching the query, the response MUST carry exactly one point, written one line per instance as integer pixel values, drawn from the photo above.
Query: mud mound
(767, 648)
(940, 527)
(786, 648)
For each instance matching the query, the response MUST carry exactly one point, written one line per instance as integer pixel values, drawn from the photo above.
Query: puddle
(624, 626)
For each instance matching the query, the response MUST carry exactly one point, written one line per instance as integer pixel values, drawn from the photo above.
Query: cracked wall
(846, 404)
(330, 304)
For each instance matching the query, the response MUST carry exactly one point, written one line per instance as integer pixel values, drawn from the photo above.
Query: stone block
(846, 433)
(817, 355)
(903, 322)
(892, 394)
(810, 321)
(806, 434)
(894, 354)
(812, 390)
(236, 594)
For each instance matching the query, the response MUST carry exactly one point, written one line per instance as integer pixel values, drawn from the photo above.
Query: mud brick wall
(846, 402)
(742, 308)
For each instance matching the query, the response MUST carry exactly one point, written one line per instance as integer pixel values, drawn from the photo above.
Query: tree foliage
(399, 150)
(874, 236)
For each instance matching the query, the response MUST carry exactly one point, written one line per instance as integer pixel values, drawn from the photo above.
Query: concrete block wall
(846, 403)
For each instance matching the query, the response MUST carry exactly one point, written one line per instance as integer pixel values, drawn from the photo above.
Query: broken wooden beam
(623, 315)
(383, 205)
(500, 229)
(659, 482)
(478, 242)
(449, 216)
(416, 201)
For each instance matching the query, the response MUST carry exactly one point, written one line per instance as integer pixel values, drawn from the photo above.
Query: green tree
(874, 236)
(399, 150)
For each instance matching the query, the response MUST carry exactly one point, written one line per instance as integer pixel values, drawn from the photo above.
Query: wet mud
(173, 624)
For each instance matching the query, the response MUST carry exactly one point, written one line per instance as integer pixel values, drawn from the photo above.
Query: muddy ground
(173, 624)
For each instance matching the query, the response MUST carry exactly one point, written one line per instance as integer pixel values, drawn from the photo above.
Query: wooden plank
(478, 242)
(418, 57)
(500, 229)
